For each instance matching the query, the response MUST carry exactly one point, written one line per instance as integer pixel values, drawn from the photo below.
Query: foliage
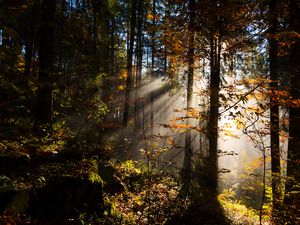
(153, 200)
(104, 50)
(237, 212)
(242, 202)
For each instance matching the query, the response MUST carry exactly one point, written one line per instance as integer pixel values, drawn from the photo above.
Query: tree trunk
(152, 63)
(292, 196)
(28, 57)
(139, 50)
(187, 165)
(30, 38)
(44, 96)
(215, 50)
(129, 63)
(112, 46)
(101, 31)
(5, 58)
(274, 109)
(105, 59)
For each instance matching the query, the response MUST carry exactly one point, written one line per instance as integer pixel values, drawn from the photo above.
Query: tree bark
(129, 63)
(187, 165)
(139, 52)
(215, 50)
(30, 38)
(44, 96)
(152, 63)
(28, 57)
(274, 106)
(292, 196)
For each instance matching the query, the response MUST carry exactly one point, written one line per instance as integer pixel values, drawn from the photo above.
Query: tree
(292, 198)
(274, 105)
(101, 29)
(30, 37)
(129, 62)
(46, 54)
(139, 55)
(153, 50)
(187, 166)
(215, 78)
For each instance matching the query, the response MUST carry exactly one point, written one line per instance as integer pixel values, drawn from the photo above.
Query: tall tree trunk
(129, 63)
(44, 96)
(112, 46)
(30, 38)
(215, 50)
(139, 50)
(105, 59)
(152, 62)
(187, 165)
(292, 193)
(274, 108)
(5, 58)
(101, 31)
(61, 55)
(28, 57)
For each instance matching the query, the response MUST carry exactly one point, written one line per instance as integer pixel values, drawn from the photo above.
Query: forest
(144, 112)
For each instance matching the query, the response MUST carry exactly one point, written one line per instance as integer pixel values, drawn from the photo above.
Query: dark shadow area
(205, 210)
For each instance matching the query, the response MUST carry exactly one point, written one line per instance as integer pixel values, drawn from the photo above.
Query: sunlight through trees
(149, 112)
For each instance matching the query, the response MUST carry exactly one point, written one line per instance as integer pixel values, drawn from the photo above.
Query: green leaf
(95, 178)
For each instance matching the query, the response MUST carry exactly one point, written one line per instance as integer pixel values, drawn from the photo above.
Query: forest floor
(128, 183)
(202, 207)
(203, 212)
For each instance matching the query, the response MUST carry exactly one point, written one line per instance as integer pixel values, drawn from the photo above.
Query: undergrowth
(149, 197)
(237, 212)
